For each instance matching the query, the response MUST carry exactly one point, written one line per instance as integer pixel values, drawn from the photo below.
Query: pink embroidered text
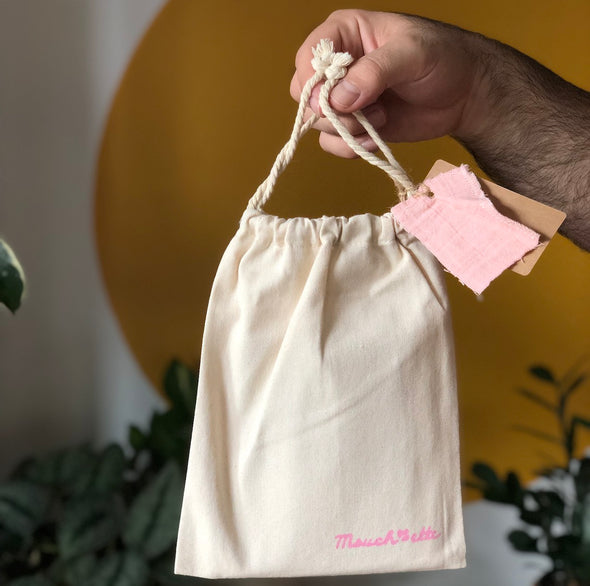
(346, 540)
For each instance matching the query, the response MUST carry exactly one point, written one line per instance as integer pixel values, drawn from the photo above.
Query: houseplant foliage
(82, 516)
(556, 513)
(12, 279)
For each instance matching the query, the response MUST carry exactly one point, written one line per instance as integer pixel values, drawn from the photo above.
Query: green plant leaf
(120, 569)
(10, 543)
(64, 469)
(101, 474)
(152, 521)
(535, 398)
(573, 555)
(170, 436)
(110, 470)
(80, 570)
(89, 524)
(494, 489)
(550, 503)
(582, 479)
(22, 506)
(514, 491)
(34, 580)
(575, 385)
(137, 438)
(536, 518)
(180, 386)
(543, 373)
(56, 570)
(550, 506)
(162, 572)
(563, 548)
(486, 473)
(577, 521)
(585, 520)
(76, 469)
(43, 470)
(12, 278)
(522, 541)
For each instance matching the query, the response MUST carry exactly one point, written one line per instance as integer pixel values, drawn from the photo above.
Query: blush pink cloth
(461, 227)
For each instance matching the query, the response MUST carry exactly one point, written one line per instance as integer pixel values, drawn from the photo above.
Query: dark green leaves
(152, 522)
(493, 488)
(137, 438)
(168, 437)
(82, 517)
(544, 509)
(12, 279)
(78, 470)
(113, 569)
(542, 373)
(120, 569)
(61, 470)
(180, 386)
(89, 524)
(582, 480)
(557, 404)
(80, 569)
(522, 541)
(35, 580)
(108, 472)
(163, 573)
(570, 388)
(548, 506)
(22, 506)
(486, 473)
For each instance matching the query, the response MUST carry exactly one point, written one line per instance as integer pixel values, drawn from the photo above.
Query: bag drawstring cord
(331, 66)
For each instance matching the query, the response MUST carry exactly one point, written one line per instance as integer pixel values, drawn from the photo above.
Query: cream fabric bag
(326, 433)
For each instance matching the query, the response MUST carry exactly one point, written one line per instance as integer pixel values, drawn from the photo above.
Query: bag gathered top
(326, 436)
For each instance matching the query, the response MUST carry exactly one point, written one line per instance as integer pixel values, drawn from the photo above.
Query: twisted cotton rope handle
(331, 66)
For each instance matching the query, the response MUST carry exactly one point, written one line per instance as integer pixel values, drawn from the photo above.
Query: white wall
(66, 375)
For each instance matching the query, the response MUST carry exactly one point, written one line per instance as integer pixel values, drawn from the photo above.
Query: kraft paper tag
(461, 225)
(537, 216)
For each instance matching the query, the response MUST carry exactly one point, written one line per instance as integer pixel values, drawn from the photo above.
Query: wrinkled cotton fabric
(326, 436)
(461, 227)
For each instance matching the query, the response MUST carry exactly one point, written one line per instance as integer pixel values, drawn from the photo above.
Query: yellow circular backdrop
(198, 118)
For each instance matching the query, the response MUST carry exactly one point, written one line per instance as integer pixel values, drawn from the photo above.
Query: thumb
(396, 62)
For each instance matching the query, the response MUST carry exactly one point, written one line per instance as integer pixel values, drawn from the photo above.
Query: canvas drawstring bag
(325, 438)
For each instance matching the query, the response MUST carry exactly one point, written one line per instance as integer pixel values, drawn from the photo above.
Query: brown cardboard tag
(539, 217)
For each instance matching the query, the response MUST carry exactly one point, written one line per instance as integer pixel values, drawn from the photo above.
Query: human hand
(412, 77)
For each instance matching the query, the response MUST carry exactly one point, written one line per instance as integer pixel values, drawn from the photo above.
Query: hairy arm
(417, 78)
(529, 130)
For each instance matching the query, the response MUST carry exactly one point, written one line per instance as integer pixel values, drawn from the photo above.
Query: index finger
(341, 29)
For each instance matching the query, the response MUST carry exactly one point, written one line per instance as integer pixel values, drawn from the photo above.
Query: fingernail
(345, 94)
(376, 116)
(368, 143)
(314, 104)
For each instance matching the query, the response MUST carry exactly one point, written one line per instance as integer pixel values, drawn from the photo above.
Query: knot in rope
(328, 63)
(332, 67)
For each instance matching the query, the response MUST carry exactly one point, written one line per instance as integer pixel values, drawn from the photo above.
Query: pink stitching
(345, 540)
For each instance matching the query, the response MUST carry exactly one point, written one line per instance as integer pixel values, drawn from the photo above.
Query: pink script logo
(345, 540)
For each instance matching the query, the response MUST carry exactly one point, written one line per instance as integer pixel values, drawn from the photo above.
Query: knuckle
(339, 14)
(373, 69)
(347, 14)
